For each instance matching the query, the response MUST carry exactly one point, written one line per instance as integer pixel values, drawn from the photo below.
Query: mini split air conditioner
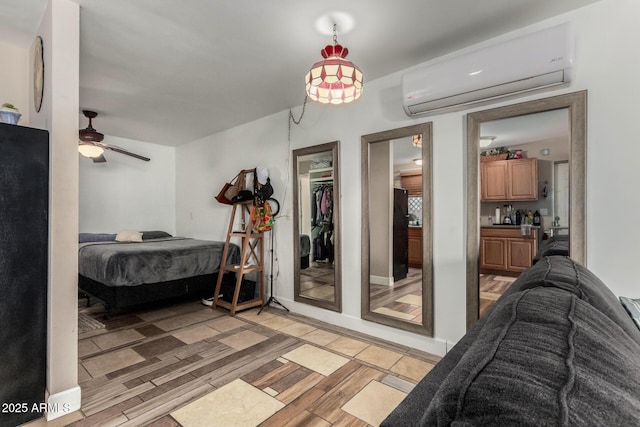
(526, 63)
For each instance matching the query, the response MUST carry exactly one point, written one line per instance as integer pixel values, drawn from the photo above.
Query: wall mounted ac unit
(526, 63)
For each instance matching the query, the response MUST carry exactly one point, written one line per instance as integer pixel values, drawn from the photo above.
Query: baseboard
(381, 280)
(435, 346)
(63, 403)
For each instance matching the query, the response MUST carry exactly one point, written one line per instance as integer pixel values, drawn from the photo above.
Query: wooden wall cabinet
(504, 180)
(506, 249)
(412, 182)
(415, 247)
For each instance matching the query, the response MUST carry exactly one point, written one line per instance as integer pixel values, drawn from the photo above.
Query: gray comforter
(152, 261)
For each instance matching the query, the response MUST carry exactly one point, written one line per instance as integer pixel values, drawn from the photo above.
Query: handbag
(262, 217)
(264, 191)
(221, 198)
(231, 189)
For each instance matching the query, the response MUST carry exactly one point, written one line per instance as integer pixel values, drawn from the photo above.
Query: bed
(135, 268)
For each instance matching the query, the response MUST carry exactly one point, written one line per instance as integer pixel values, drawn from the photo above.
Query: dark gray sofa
(556, 349)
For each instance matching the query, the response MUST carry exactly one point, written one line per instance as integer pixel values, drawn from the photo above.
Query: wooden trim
(576, 103)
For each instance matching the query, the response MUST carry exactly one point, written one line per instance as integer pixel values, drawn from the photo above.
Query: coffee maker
(507, 219)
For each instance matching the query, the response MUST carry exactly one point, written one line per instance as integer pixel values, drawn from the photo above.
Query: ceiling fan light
(486, 141)
(90, 150)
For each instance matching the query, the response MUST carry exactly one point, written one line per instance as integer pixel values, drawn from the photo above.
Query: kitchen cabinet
(508, 180)
(505, 249)
(412, 182)
(415, 247)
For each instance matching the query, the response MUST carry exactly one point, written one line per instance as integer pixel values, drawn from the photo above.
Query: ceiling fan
(91, 144)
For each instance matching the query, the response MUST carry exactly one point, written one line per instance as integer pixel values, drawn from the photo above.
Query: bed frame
(121, 297)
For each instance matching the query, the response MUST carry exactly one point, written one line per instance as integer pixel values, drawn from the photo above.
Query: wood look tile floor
(317, 281)
(403, 300)
(188, 365)
(491, 288)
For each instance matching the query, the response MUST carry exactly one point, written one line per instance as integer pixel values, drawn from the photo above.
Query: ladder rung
(243, 234)
(247, 269)
(256, 302)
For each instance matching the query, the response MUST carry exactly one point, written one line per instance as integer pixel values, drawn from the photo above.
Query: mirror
(316, 226)
(562, 178)
(397, 264)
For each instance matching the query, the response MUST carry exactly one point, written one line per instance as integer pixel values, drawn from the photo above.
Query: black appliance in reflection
(400, 234)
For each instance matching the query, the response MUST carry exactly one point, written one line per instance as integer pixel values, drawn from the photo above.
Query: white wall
(60, 31)
(14, 79)
(381, 213)
(203, 166)
(126, 193)
(605, 65)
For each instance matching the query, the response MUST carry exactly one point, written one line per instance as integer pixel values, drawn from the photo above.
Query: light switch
(544, 211)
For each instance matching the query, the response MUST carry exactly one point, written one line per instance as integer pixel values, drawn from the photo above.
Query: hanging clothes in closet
(322, 222)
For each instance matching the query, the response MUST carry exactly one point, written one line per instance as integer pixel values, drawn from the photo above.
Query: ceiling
(170, 72)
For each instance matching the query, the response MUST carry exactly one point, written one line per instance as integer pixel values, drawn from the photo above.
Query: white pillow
(129, 236)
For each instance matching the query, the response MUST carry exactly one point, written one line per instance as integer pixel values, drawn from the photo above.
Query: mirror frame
(334, 148)
(576, 103)
(425, 129)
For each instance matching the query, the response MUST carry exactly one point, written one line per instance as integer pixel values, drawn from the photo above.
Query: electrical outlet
(544, 211)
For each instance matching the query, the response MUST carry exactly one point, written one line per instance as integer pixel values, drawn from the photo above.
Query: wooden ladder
(251, 260)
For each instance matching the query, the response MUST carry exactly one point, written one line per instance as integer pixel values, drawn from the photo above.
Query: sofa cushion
(414, 404)
(543, 356)
(557, 245)
(564, 273)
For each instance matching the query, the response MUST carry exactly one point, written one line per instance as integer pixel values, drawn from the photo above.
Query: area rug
(87, 323)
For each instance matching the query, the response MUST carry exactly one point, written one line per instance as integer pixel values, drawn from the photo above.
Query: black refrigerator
(24, 204)
(400, 234)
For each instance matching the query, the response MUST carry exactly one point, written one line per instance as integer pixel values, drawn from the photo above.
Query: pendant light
(416, 140)
(334, 80)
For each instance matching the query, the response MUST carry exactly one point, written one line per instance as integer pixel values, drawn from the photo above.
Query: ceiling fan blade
(99, 159)
(128, 153)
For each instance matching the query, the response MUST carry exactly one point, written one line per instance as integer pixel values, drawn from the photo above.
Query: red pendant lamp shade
(334, 80)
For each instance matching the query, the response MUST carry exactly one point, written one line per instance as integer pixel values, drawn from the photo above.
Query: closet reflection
(316, 229)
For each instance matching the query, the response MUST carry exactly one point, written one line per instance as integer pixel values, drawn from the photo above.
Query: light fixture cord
(292, 119)
(335, 37)
(297, 122)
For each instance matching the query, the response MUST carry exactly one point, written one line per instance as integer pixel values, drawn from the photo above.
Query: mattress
(151, 261)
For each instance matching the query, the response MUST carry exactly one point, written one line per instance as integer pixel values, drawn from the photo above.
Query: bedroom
(181, 183)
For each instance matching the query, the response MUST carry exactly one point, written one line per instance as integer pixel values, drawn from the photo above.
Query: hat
(243, 195)
(262, 174)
